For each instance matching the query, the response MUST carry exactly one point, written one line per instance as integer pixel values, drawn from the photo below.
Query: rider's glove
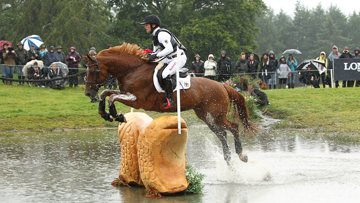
(152, 57)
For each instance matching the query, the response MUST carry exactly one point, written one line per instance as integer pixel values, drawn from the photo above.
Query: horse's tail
(237, 100)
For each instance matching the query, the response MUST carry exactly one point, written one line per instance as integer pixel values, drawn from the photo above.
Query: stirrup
(168, 104)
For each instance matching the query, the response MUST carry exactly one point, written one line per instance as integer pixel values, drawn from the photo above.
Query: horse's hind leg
(233, 128)
(221, 134)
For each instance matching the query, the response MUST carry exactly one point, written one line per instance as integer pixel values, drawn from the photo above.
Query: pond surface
(79, 166)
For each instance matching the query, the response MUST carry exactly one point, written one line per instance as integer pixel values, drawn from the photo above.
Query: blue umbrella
(32, 40)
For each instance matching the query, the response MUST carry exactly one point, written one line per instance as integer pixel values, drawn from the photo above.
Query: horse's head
(96, 74)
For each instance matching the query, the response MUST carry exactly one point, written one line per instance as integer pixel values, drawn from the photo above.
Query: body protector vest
(174, 41)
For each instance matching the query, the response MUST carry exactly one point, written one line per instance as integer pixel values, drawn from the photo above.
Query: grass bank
(326, 110)
(24, 108)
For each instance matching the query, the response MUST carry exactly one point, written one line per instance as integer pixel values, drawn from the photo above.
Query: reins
(130, 70)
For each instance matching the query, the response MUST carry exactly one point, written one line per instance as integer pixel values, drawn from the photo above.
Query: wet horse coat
(209, 99)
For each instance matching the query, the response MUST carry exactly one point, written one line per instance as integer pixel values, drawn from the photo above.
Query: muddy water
(78, 166)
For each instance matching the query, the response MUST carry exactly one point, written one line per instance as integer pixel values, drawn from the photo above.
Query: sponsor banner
(347, 69)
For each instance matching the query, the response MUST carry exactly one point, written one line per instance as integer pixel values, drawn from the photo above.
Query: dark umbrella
(313, 64)
(292, 51)
(2, 42)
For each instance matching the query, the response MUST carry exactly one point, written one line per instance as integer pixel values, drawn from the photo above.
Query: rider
(165, 47)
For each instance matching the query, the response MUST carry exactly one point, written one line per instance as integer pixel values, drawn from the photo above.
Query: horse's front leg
(106, 115)
(119, 97)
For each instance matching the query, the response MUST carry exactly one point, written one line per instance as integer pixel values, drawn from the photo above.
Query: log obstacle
(153, 154)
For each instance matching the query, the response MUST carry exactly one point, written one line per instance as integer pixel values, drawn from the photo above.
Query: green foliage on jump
(195, 179)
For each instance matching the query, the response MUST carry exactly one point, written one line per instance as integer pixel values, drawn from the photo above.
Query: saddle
(183, 75)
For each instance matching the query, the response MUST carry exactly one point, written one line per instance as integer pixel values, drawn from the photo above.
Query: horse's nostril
(87, 94)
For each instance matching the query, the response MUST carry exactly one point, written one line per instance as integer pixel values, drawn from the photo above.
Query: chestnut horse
(209, 99)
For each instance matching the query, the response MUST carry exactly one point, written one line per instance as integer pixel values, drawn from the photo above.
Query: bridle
(97, 82)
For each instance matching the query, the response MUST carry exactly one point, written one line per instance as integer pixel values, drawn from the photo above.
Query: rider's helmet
(223, 52)
(152, 20)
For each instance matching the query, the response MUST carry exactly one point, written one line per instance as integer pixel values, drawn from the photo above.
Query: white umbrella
(32, 40)
(30, 63)
(62, 66)
(292, 51)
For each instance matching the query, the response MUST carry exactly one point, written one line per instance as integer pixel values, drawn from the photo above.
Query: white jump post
(178, 91)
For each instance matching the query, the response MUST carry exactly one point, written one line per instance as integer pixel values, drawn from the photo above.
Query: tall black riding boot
(168, 99)
(23, 78)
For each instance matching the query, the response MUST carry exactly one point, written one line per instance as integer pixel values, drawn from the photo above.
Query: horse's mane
(125, 48)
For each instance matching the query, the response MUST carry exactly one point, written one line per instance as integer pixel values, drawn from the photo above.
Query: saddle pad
(184, 83)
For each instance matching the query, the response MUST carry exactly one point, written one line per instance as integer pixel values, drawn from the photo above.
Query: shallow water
(79, 166)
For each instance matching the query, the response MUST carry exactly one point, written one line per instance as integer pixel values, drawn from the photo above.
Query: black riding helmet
(152, 19)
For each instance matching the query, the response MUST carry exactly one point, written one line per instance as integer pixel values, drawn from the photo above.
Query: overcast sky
(346, 6)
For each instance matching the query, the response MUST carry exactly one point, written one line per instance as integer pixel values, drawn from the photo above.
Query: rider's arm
(156, 49)
(165, 39)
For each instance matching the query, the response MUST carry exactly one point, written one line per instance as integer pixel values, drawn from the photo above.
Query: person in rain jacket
(9, 57)
(210, 67)
(51, 57)
(264, 65)
(241, 65)
(224, 67)
(322, 58)
(21, 61)
(346, 55)
(43, 51)
(291, 61)
(283, 71)
(35, 73)
(197, 66)
(335, 54)
(273, 64)
(252, 65)
(33, 54)
(73, 59)
(61, 54)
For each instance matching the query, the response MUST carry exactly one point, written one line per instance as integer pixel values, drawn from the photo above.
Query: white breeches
(172, 64)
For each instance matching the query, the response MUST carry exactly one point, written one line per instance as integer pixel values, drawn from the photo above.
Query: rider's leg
(168, 87)
(169, 71)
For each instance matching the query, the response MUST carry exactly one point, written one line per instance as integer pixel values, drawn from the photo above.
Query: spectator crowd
(11, 58)
(268, 68)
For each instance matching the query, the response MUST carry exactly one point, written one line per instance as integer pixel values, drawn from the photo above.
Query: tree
(353, 30)
(316, 23)
(329, 36)
(267, 38)
(81, 23)
(301, 29)
(285, 33)
(203, 26)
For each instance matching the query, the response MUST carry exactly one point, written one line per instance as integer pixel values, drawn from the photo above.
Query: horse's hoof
(107, 117)
(243, 158)
(121, 118)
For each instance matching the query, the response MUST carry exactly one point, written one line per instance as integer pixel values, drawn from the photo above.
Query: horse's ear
(89, 57)
(82, 56)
